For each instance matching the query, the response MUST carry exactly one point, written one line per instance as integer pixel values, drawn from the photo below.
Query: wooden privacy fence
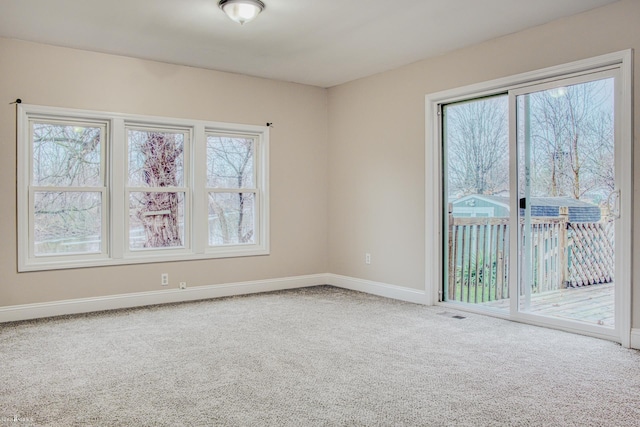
(563, 254)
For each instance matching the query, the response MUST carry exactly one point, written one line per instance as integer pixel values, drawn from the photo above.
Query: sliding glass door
(531, 202)
(476, 171)
(568, 198)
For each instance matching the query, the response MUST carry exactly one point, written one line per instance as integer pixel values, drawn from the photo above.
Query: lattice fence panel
(591, 253)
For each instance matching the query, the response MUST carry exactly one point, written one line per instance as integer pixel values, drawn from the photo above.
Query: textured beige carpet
(320, 356)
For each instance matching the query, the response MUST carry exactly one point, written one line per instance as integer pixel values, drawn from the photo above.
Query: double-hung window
(231, 189)
(103, 188)
(67, 194)
(157, 189)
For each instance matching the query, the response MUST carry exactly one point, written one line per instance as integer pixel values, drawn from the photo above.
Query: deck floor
(592, 304)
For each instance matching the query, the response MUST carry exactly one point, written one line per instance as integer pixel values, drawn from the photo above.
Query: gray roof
(560, 201)
(579, 211)
(539, 201)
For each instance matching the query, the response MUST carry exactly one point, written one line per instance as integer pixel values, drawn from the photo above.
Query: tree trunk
(159, 214)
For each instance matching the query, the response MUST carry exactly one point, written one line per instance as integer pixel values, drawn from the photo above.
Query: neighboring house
(478, 205)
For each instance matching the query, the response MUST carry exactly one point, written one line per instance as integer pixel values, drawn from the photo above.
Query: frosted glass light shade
(241, 11)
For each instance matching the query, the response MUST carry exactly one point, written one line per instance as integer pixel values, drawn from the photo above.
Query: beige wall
(347, 163)
(377, 138)
(45, 75)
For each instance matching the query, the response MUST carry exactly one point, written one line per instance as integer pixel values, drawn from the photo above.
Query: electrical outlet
(183, 285)
(164, 279)
(367, 258)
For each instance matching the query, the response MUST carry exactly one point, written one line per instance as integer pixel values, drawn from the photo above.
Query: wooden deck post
(499, 275)
(452, 253)
(563, 247)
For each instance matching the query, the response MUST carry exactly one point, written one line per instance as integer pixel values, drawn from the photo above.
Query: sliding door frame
(434, 209)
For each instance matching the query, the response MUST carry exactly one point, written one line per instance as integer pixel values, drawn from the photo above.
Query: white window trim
(258, 152)
(115, 245)
(29, 190)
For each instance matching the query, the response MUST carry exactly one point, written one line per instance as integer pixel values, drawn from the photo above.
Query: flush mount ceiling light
(241, 11)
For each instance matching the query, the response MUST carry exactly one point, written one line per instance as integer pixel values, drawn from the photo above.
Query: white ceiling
(316, 42)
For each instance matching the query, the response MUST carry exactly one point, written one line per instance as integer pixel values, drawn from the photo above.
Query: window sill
(57, 264)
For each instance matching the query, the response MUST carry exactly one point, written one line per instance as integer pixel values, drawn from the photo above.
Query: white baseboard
(635, 338)
(377, 288)
(139, 299)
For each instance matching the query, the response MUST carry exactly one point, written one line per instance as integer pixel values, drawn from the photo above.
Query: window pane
(572, 141)
(229, 162)
(475, 142)
(156, 159)
(566, 145)
(66, 155)
(231, 218)
(67, 222)
(156, 220)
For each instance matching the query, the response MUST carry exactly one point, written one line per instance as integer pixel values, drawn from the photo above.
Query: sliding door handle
(614, 210)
